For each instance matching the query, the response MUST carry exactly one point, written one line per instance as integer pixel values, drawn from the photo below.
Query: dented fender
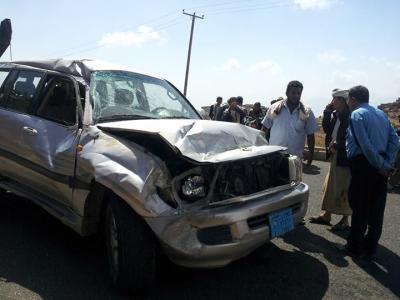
(124, 168)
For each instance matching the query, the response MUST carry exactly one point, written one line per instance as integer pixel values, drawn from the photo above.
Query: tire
(131, 248)
(3, 193)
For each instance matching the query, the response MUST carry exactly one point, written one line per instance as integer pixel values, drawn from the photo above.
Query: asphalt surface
(42, 259)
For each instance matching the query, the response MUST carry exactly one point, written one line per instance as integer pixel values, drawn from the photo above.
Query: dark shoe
(345, 249)
(370, 254)
(319, 220)
(340, 227)
(370, 257)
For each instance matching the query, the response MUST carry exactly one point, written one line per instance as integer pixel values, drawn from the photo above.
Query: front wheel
(3, 193)
(130, 248)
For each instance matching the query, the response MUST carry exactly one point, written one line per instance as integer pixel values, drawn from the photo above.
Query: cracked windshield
(128, 96)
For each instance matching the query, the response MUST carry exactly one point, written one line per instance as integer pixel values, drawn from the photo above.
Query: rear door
(17, 96)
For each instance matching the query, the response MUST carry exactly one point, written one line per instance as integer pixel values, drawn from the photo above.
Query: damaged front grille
(226, 180)
(250, 176)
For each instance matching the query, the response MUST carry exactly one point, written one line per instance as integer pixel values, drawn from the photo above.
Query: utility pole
(190, 47)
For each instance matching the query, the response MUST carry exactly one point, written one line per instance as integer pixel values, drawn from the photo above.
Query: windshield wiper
(122, 118)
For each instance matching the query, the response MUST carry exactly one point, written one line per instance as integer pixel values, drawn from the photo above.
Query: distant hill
(393, 112)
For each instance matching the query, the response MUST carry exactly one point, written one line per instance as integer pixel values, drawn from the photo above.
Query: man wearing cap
(288, 122)
(335, 191)
(371, 145)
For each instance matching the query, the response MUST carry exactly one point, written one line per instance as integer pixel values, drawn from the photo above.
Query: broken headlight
(193, 187)
(295, 168)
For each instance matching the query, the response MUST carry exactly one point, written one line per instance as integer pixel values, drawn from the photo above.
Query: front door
(51, 137)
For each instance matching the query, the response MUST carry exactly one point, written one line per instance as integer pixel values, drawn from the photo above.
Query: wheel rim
(113, 246)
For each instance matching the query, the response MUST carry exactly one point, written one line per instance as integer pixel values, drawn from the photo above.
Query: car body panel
(178, 234)
(203, 141)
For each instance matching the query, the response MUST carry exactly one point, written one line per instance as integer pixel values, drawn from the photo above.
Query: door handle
(30, 131)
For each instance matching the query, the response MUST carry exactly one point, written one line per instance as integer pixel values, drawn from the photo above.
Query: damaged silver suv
(107, 149)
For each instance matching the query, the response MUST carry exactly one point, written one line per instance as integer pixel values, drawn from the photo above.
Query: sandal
(340, 227)
(319, 220)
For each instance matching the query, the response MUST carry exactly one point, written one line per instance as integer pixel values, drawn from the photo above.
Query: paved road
(41, 259)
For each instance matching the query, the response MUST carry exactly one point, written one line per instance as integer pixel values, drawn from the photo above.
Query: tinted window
(3, 76)
(23, 91)
(58, 101)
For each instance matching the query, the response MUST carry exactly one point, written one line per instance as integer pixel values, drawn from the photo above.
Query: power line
(101, 46)
(215, 9)
(239, 10)
(249, 7)
(121, 29)
(219, 4)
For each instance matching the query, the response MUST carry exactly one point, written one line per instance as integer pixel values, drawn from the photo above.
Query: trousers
(367, 199)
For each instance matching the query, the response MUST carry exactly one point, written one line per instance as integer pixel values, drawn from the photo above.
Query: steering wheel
(157, 110)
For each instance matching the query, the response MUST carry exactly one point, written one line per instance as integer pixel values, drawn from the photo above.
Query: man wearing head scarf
(335, 191)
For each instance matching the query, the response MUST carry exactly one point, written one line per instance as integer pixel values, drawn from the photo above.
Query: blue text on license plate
(281, 222)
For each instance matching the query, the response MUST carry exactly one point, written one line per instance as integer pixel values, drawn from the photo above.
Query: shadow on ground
(308, 242)
(311, 170)
(385, 267)
(394, 190)
(41, 255)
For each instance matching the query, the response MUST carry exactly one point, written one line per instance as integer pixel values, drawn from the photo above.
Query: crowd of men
(234, 111)
(360, 141)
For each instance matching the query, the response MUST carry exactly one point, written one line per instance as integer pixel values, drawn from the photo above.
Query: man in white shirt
(288, 122)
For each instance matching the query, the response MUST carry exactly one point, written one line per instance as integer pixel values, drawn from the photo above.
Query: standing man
(240, 106)
(214, 109)
(255, 116)
(232, 113)
(335, 191)
(289, 121)
(371, 147)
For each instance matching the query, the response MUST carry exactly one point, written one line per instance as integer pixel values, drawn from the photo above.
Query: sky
(250, 48)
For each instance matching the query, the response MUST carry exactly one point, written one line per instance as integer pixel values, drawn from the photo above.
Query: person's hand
(329, 107)
(332, 148)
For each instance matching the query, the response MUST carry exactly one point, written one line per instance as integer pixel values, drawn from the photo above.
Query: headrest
(123, 97)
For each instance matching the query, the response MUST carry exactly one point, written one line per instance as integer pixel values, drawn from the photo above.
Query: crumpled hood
(201, 140)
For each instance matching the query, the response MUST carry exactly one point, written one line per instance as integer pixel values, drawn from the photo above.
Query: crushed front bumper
(214, 236)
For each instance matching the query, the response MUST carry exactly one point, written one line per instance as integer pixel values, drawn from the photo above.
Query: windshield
(120, 95)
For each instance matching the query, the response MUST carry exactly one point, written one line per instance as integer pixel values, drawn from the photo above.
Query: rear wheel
(3, 193)
(130, 248)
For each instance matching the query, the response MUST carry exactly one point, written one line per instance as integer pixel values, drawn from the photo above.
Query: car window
(58, 101)
(3, 76)
(23, 91)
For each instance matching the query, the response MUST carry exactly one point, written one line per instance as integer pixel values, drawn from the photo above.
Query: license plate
(281, 222)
